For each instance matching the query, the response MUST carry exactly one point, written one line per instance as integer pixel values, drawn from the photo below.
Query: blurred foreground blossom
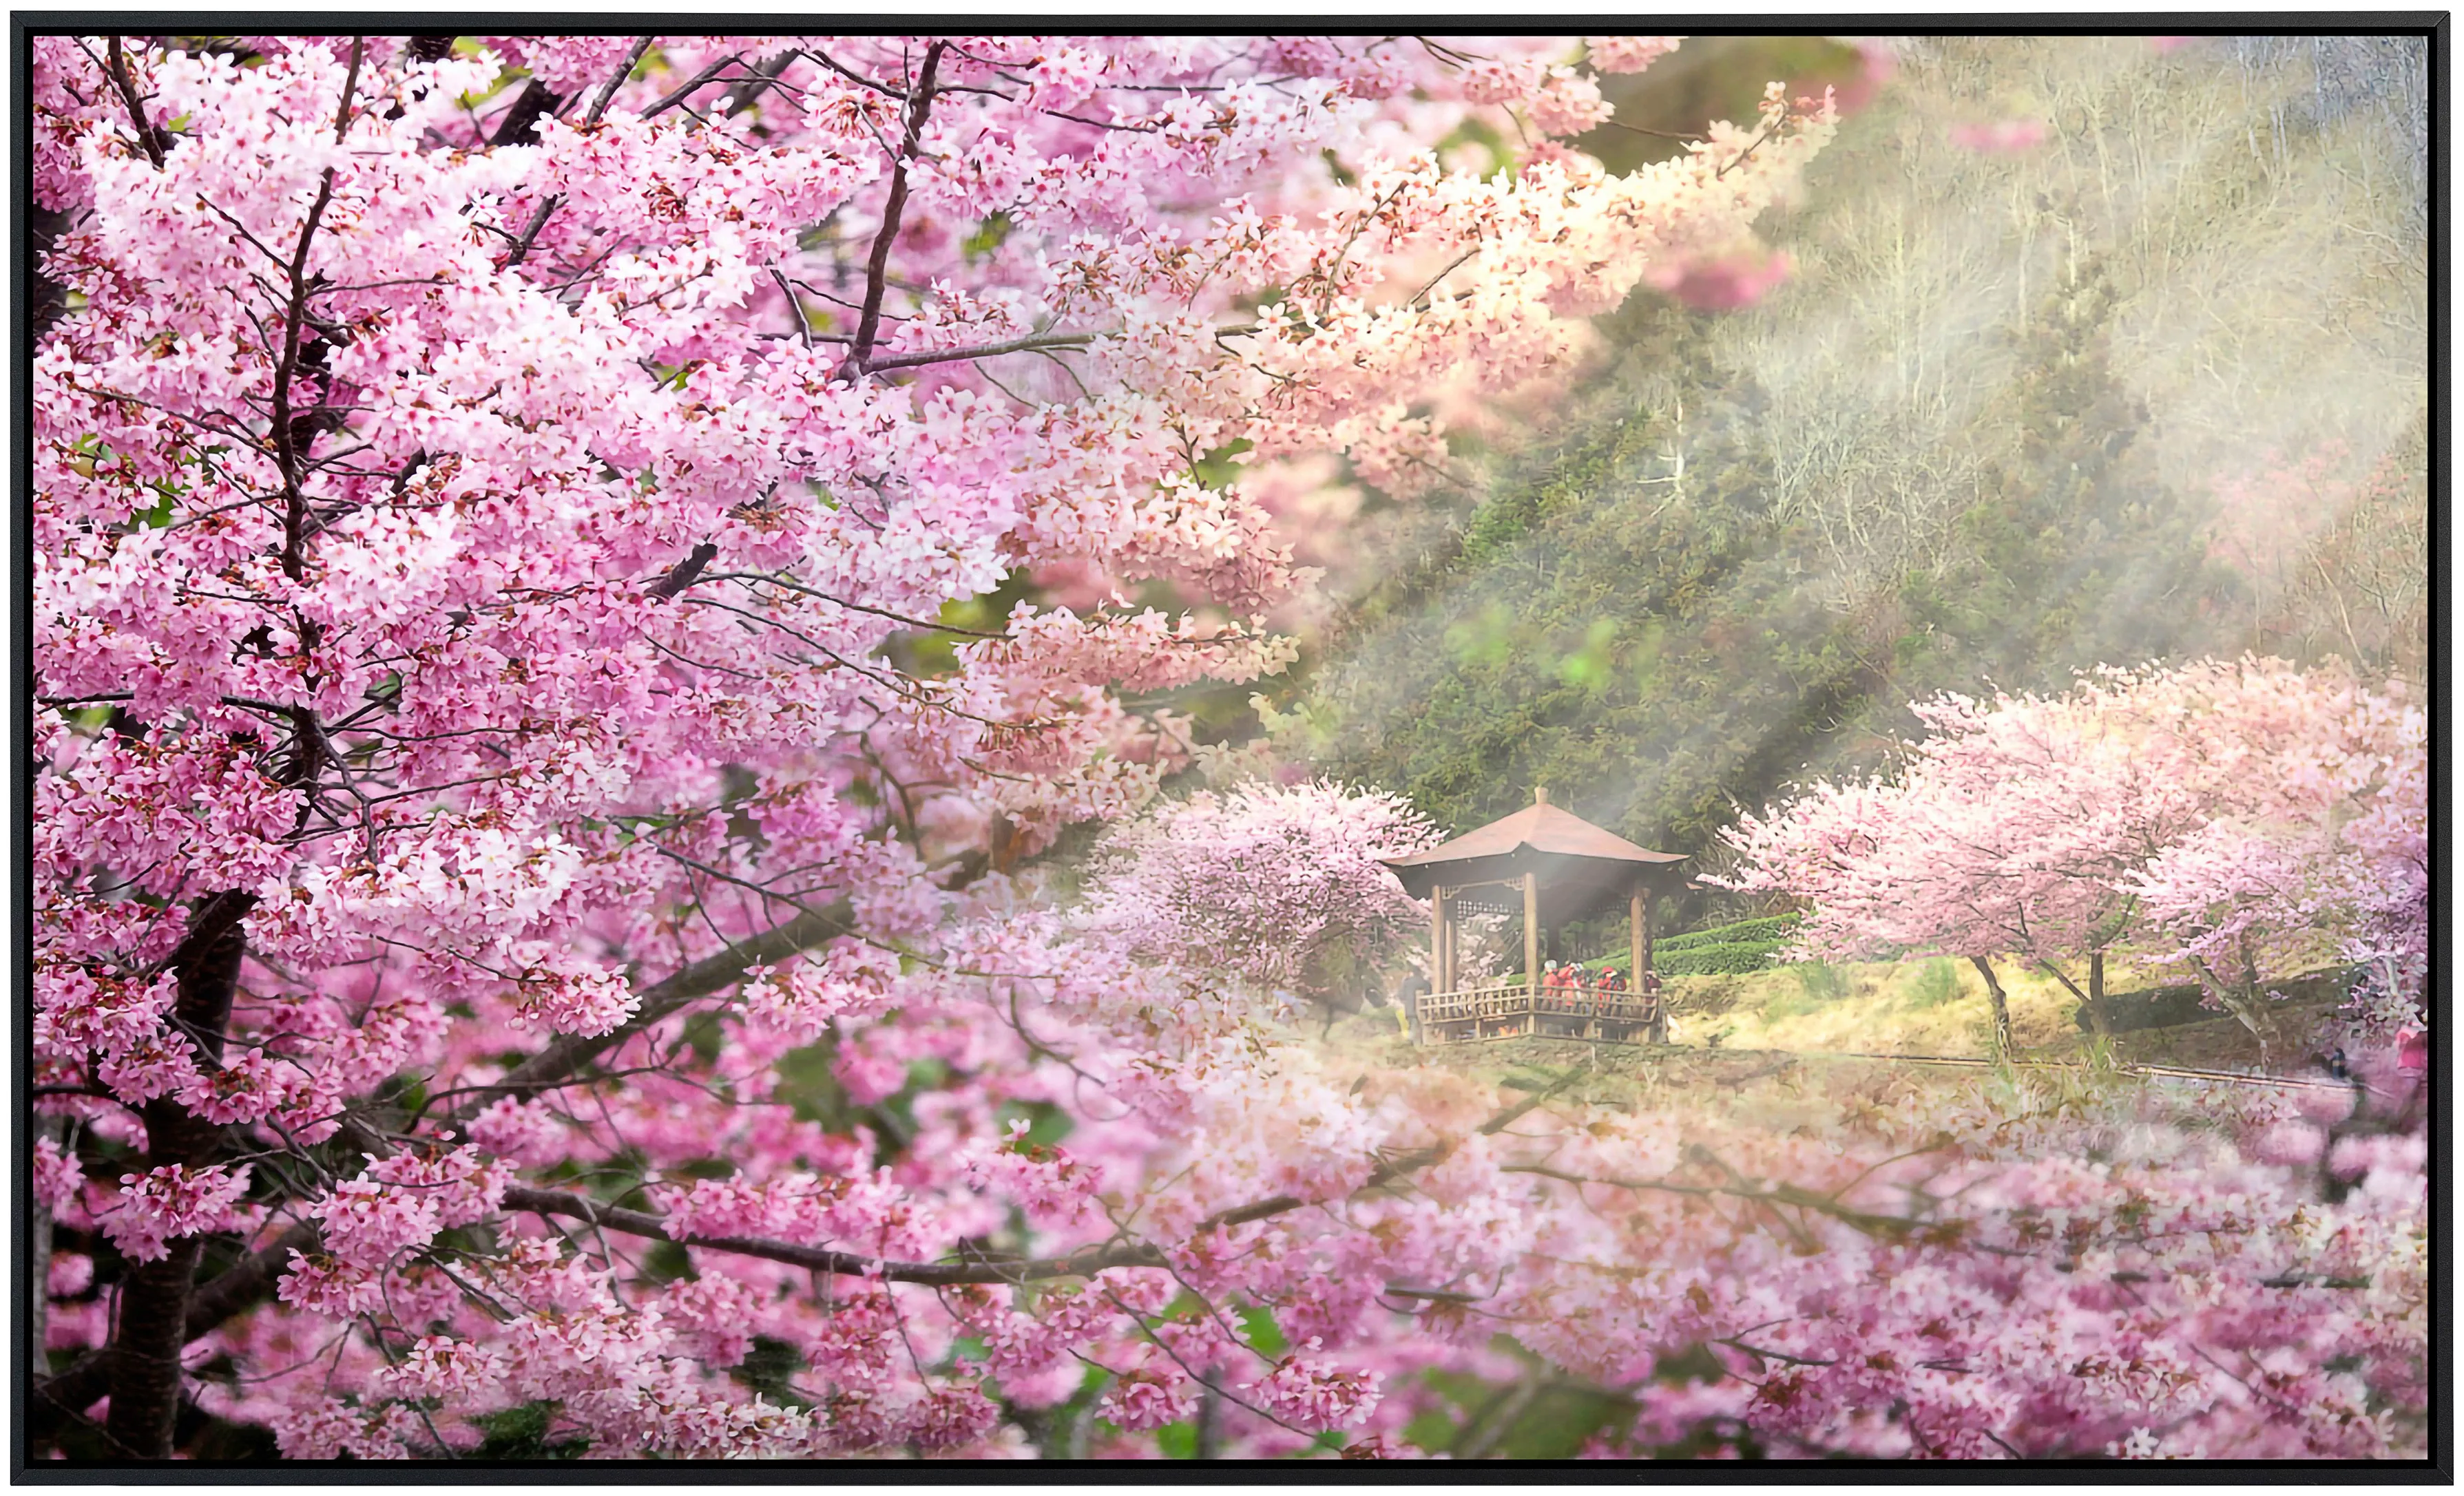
(1628, 53)
(2000, 137)
(1722, 281)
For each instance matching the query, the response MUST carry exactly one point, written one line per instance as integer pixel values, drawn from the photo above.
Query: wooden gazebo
(1551, 867)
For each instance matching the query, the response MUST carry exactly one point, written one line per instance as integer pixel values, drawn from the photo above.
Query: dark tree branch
(286, 434)
(684, 90)
(1034, 343)
(1082, 1264)
(876, 269)
(350, 88)
(750, 577)
(767, 76)
(534, 103)
(147, 136)
(569, 1053)
(607, 95)
(545, 106)
(684, 573)
(246, 1284)
(531, 231)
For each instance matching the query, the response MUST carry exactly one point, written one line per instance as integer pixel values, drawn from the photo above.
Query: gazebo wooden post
(1638, 943)
(1437, 958)
(1530, 945)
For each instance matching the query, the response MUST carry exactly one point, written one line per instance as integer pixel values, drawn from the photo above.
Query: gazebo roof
(1539, 828)
(1542, 828)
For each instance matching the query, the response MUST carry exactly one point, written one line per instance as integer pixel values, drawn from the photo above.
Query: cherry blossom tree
(542, 939)
(2318, 843)
(2238, 819)
(1276, 886)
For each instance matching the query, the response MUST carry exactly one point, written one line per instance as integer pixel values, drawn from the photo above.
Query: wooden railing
(1504, 1008)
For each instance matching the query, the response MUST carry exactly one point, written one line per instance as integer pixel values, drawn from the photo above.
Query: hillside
(2011, 418)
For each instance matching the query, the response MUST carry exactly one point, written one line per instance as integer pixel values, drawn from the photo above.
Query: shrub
(1736, 959)
(1936, 982)
(1775, 930)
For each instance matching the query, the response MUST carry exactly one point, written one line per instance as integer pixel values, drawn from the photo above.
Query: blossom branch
(876, 269)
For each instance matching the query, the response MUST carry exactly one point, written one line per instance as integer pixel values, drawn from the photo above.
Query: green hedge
(1776, 929)
(1731, 958)
(1733, 950)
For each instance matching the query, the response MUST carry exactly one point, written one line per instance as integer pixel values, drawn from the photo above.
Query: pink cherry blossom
(1999, 137)
(171, 1202)
(1722, 282)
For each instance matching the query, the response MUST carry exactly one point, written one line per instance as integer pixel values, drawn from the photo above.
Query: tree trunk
(248, 1283)
(153, 1318)
(39, 1262)
(2092, 1001)
(2240, 1004)
(1210, 1418)
(2001, 1006)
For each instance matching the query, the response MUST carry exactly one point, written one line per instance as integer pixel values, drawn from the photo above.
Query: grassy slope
(1884, 1008)
(1920, 1008)
(1930, 1008)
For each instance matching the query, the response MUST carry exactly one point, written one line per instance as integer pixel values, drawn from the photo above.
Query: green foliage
(2073, 554)
(1775, 930)
(1177, 1441)
(809, 1082)
(1258, 1322)
(1736, 949)
(1822, 982)
(521, 1433)
(1736, 959)
(1217, 468)
(1936, 982)
(1047, 1123)
(988, 237)
(1553, 1421)
(1817, 986)
(769, 1368)
(666, 1260)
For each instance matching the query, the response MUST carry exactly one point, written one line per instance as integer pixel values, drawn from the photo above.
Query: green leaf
(1217, 468)
(155, 518)
(521, 1433)
(1259, 1321)
(1177, 1441)
(988, 237)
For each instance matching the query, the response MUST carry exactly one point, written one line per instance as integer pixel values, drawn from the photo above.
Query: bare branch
(684, 90)
(145, 136)
(1082, 1264)
(569, 1053)
(857, 607)
(350, 88)
(607, 95)
(876, 270)
(1036, 343)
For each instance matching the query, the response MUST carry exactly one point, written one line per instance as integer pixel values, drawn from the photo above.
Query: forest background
(2145, 386)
